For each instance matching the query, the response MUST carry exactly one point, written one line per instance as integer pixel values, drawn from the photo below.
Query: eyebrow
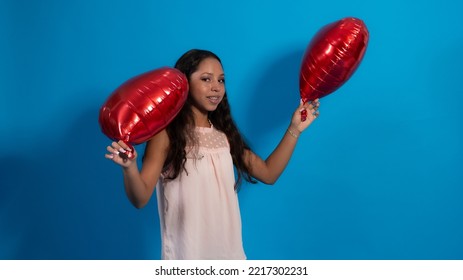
(223, 74)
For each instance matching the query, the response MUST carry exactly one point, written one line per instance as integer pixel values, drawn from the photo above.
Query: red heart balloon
(143, 105)
(331, 58)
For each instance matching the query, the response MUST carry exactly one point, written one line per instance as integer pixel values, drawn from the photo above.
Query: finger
(118, 146)
(109, 156)
(116, 156)
(112, 150)
(116, 150)
(124, 145)
(115, 145)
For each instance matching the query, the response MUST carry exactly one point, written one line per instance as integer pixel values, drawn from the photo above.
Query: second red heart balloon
(331, 57)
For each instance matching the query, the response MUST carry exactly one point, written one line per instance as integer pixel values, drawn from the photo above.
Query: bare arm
(269, 170)
(139, 185)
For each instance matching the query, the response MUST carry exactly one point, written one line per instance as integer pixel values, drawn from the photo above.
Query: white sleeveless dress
(199, 211)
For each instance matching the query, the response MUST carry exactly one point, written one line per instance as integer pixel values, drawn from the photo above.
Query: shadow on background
(275, 97)
(68, 202)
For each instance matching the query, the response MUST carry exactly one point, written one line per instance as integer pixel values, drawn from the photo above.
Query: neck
(201, 119)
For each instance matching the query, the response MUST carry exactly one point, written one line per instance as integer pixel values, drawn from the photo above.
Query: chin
(211, 108)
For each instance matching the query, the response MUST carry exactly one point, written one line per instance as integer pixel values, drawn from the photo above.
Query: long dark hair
(181, 129)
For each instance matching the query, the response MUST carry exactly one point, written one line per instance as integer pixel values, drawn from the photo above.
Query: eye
(205, 79)
(222, 81)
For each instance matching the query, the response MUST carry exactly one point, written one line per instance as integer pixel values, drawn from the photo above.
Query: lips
(214, 99)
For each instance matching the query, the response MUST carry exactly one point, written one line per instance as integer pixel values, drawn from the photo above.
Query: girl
(191, 164)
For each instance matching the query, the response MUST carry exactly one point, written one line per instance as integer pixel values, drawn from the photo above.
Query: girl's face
(207, 85)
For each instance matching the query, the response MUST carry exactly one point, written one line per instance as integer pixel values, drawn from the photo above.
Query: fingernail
(122, 150)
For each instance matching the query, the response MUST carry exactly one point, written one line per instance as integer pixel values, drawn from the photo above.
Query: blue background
(377, 176)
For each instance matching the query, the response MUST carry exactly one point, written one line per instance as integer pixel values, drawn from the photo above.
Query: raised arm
(269, 170)
(139, 185)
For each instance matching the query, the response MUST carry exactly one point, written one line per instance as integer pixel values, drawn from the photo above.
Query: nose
(216, 86)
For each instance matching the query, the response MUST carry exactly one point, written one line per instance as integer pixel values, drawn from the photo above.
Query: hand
(305, 114)
(117, 153)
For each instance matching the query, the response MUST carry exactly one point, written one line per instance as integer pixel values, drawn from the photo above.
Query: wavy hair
(181, 129)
